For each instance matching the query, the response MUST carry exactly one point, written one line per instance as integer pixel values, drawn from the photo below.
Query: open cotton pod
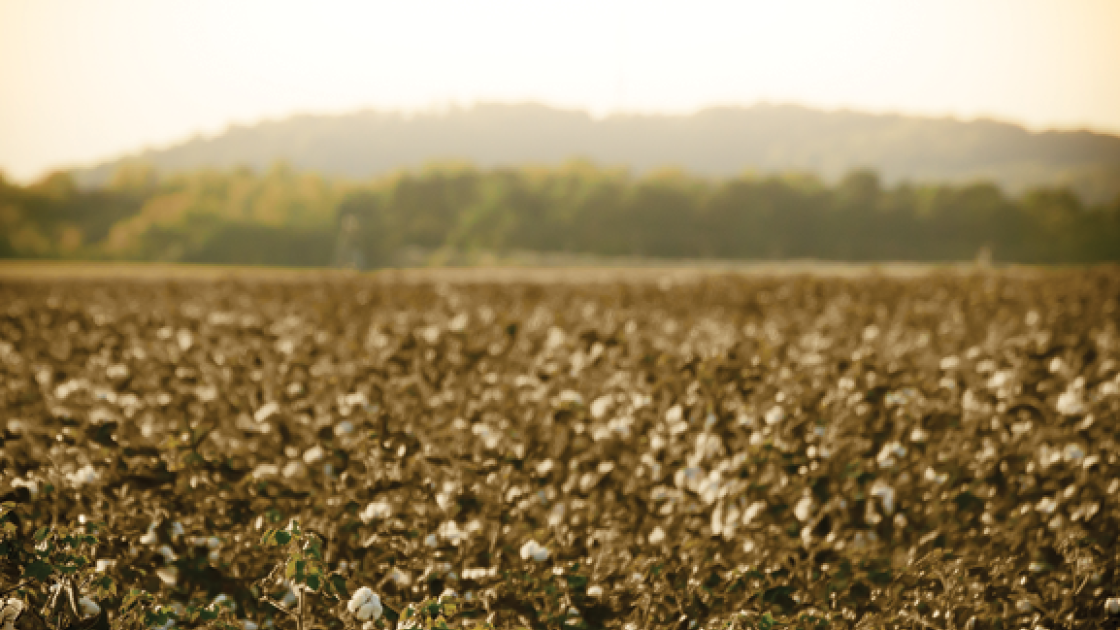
(88, 608)
(365, 605)
(10, 610)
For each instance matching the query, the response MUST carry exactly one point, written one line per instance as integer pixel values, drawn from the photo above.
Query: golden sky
(81, 81)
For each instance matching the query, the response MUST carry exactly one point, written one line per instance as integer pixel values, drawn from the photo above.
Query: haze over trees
(441, 213)
(717, 142)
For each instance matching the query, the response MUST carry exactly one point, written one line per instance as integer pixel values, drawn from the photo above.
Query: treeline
(284, 217)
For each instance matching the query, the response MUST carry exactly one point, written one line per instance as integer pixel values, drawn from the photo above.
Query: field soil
(801, 447)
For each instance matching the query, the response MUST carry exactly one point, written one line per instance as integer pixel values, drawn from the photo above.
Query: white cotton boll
(294, 469)
(535, 551)
(753, 511)
(168, 575)
(224, 601)
(431, 541)
(674, 415)
(804, 508)
(266, 411)
(88, 608)
(371, 610)
(360, 598)
(595, 591)
(889, 454)
(600, 406)
(83, 476)
(1073, 453)
(657, 536)
(709, 488)
(150, 538)
(950, 363)
(555, 338)
(571, 397)
(1070, 403)
(886, 495)
(378, 510)
(289, 599)
(775, 415)
(249, 625)
(313, 455)
(11, 610)
(450, 532)
(458, 323)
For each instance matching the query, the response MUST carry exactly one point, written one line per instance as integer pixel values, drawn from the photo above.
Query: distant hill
(715, 142)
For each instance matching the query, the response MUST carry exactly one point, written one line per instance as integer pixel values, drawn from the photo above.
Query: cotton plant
(69, 601)
(302, 570)
(56, 560)
(141, 610)
(435, 614)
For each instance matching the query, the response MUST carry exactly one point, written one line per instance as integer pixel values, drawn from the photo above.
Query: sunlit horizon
(87, 83)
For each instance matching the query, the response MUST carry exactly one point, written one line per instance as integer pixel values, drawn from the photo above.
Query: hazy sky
(81, 81)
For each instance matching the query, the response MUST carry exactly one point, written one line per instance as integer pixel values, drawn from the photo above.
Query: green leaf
(338, 583)
(105, 587)
(38, 570)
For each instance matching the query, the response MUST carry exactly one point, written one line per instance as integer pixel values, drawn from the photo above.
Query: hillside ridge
(715, 142)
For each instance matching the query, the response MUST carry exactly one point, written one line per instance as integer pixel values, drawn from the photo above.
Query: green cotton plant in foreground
(435, 614)
(55, 564)
(142, 610)
(303, 570)
(57, 560)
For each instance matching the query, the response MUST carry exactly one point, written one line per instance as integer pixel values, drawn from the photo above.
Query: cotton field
(938, 451)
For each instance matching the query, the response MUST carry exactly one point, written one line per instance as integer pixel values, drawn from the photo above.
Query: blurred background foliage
(454, 212)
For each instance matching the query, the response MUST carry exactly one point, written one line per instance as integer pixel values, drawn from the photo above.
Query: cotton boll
(83, 476)
(88, 608)
(804, 508)
(371, 610)
(885, 493)
(1070, 403)
(533, 550)
(377, 510)
(313, 454)
(600, 406)
(752, 511)
(10, 611)
(775, 415)
(360, 598)
(150, 538)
